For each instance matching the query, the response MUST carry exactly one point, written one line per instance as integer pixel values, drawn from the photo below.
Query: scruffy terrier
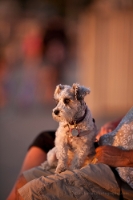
(76, 131)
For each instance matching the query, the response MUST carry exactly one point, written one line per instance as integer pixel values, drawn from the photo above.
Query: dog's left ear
(59, 88)
(80, 91)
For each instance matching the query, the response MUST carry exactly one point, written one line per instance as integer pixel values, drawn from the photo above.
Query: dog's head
(70, 102)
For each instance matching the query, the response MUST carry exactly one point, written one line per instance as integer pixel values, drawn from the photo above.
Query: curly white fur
(71, 107)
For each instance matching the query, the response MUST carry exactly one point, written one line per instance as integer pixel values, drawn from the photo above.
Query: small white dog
(76, 131)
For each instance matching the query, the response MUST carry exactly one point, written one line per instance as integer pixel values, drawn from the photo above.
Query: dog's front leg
(61, 148)
(79, 157)
(62, 158)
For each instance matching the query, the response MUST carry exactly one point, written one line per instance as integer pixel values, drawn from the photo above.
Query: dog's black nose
(56, 112)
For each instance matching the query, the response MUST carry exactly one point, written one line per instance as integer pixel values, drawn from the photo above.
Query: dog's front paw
(46, 165)
(60, 168)
(75, 166)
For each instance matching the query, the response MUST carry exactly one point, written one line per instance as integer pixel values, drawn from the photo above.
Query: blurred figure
(28, 71)
(55, 47)
(42, 62)
(23, 56)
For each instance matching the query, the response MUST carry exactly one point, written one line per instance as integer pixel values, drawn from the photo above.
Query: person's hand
(104, 130)
(113, 156)
(107, 128)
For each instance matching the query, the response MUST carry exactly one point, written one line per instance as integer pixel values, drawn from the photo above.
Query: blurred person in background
(55, 57)
(23, 56)
(43, 60)
(31, 55)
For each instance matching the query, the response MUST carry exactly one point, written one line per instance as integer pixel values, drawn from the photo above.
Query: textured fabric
(37, 172)
(122, 137)
(91, 182)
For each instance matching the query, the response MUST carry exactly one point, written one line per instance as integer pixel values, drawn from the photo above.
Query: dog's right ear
(80, 91)
(59, 88)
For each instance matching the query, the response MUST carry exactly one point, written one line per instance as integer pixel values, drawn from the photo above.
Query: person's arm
(114, 156)
(34, 157)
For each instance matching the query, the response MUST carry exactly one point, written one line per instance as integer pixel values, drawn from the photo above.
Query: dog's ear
(59, 88)
(80, 91)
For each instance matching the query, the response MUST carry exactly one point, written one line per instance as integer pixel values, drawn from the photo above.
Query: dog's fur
(71, 107)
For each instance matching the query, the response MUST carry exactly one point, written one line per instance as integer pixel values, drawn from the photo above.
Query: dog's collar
(78, 133)
(74, 122)
(75, 132)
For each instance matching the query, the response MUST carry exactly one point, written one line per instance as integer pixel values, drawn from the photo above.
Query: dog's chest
(73, 141)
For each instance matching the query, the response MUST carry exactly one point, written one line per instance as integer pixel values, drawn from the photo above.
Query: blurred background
(47, 42)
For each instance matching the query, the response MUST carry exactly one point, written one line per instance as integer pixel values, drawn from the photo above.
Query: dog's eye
(66, 101)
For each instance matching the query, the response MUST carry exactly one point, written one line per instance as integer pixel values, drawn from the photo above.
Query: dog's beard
(63, 117)
(69, 114)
